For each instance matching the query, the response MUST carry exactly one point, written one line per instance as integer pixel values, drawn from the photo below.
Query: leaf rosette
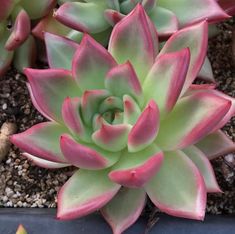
(131, 120)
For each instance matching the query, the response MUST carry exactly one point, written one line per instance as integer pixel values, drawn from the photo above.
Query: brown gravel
(24, 185)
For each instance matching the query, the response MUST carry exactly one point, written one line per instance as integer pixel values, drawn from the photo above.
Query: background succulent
(131, 120)
(21, 230)
(167, 15)
(16, 42)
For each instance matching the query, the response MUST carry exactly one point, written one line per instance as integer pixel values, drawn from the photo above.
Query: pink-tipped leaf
(124, 209)
(145, 129)
(49, 88)
(131, 111)
(205, 168)
(86, 156)
(135, 39)
(192, 119)
(178, 188)
(90, 64)
(20, 31)
(42, 140)
(166, 78)
(85, 192)
(134, 170)
(195, 38)
(112, 137)
(206, 72)
(216, 144)
(73, 120)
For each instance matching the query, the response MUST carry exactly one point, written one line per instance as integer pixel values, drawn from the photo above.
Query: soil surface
(24, 185)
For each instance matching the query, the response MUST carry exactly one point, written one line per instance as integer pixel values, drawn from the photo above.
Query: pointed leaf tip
(134, 38)
(146, 128)
(91, 63)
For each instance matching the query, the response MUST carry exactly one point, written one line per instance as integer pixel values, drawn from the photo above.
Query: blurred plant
(16, 43)
(130, 119)
(228, 6)
(21, 230)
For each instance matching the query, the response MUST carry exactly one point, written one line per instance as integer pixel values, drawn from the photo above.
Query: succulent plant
(130, 120)
(228, 6)
(167, 15)
(15, 27)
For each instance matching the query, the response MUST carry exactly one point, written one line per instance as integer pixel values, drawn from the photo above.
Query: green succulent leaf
(178, 188)
(164, 20)
(60, 51)
(25, 55)
(37, 9)
(216, 144)
(192, 119)
(205, 168)
(134, 170)
(135, 39)
(124, 209)
(49, 88)
(76, 199)
(42, 140)
(86, 17)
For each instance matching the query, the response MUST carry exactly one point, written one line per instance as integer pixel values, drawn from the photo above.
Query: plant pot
(42, 221)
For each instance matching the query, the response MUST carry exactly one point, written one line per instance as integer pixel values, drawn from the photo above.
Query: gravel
(25, 185)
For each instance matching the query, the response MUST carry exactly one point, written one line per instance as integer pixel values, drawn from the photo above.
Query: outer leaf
(112, 137)
(44, 163)
(60, 51)
(90, 64)
(122, 80)
(85, 17)
(38, 9)
(86, 156)
(165, 21)
(25, 55)
(205, 168)
(124, 209)
(146, 128)
(42, 140)
(165, 80)
(20, 31)
(47, 86)
(202, 9)
(216, 144)
(77, 199)
(134, 38)
(195, 38)
(134, 170)
(178, 188)
(192, 119)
